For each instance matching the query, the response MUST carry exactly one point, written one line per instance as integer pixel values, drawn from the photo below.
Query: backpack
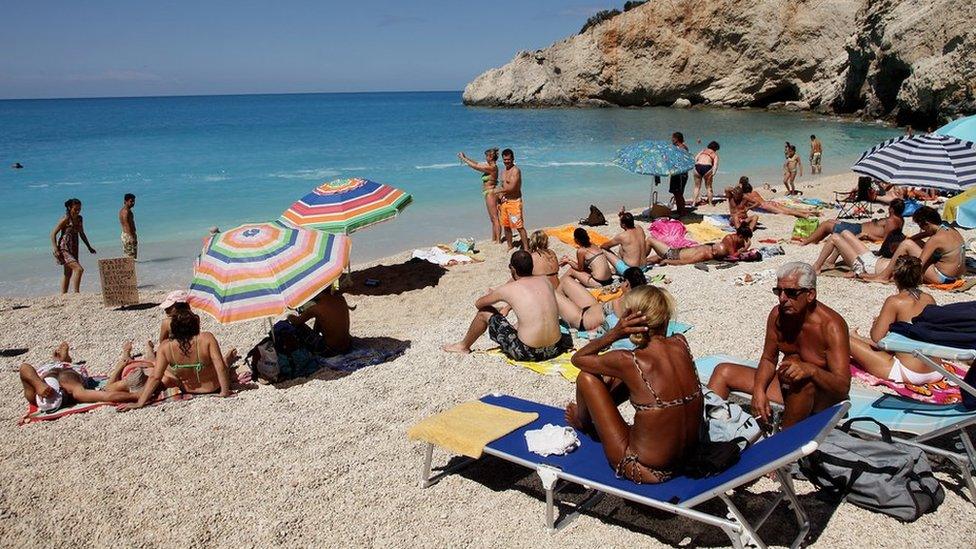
(595, 218)
(264, 361)
(877, 475)
(728, 421)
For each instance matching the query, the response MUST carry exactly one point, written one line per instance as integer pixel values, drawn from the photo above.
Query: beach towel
(949, 286)
(467, 428)
(722, 221)
(961, 209)
(559, 366)
(361, 356)
(940, 392)
(565, 235)
(606, 294)
(33, 414)
(705, 233)
(438, 256)
(803, 228)
(674, 327)
(672, 232)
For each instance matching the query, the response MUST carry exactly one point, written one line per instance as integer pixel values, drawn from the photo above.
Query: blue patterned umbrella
(654, 158)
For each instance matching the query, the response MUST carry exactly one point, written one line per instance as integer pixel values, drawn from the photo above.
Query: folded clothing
(438, 256)
(552, 440)
(468, 427)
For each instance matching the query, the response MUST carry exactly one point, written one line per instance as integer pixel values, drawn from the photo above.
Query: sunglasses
(791, 293)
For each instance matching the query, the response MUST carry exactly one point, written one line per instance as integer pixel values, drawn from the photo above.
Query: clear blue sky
(72, 48)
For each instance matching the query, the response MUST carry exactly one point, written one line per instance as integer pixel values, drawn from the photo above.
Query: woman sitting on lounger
(544, 261)
(901, 307)
(582, 311)
(193, 357)
(658, 378)
(591, 268)
(732, 245)
(940, 247)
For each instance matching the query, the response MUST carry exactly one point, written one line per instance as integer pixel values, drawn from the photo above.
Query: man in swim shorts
(816, 155)
(60, 383)
(537, 336)
(130, 244)
(876, 229)
(510, 209)
(633, 247)
(813, 340)
(732, 245)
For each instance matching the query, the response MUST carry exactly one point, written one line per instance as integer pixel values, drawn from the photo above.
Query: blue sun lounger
(921, 421)
(587, 466)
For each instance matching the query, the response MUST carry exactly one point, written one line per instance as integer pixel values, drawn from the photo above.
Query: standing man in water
(816, 155)
(130, 245)
(679, 180)
(510, 210)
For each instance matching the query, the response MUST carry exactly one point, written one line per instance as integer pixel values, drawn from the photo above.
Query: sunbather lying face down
(813, 340)
(730, 245)
(658, 378)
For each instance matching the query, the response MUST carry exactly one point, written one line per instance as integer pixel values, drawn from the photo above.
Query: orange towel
(602, 295)
(565, 234)
(948, 287)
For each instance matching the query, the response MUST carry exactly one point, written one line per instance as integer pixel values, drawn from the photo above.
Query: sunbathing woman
(901, 307)
(876, 229)
(582, 311)
(193, 357)
(544, 261)
(732, 245)
(943, 254)
(658, 378)
(852, 252)
(489, 180)
(59, 384)
(706, 166)
(751, 199)
(739, 207)
(591, 268)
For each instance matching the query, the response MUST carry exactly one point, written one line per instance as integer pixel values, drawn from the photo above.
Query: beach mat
(565, 235)
(468, 427)
(362, 355)
(34, 415)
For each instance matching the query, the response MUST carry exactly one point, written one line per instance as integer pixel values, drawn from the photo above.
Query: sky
(71, 48)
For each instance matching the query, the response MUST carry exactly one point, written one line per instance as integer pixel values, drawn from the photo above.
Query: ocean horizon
(197, 161)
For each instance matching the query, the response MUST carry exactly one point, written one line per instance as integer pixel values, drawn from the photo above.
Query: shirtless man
(752, 199)
(59, 384)
(816, 155)
(130, 245)
(537, 336)
(876, 229)
(633, 247)
(331, 314)
(732, 245)
(510, 212)
(739, 206)
(813, 339)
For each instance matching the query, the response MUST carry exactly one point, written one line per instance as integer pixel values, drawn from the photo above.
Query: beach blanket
(606, 294)
(33, 415)
(722, 221)
(565, 235)
(361, 356)
(672, 232)
(468, 427)
(949, 286)
(558, 366)
(940, 392)
(704, 233)
(438, 256)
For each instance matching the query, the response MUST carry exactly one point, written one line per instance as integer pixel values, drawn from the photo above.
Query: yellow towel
(603, 295)
(467, 428)
(562, 365)
(565, 234)
(703, 233)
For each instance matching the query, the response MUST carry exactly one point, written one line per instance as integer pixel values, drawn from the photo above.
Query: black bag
(969, 399)
(595, 218)
(711, 458)
(890, 244)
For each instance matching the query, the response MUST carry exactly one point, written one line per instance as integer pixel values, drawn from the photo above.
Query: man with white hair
(813, 340)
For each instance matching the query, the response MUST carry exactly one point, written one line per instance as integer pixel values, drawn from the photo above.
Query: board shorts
(678, 183)
(853, 228)
(511, 214)
(815, 159)
(501, 331)
(130, 245)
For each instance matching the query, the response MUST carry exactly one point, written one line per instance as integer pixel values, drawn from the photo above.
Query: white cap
(52, 403)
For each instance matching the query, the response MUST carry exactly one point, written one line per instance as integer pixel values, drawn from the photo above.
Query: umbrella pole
(271, 331)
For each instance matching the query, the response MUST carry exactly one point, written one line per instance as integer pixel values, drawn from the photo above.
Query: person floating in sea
(537, 336)
(706, 166)
(127, 219)
(816, 155)
(633, 248)
(511, 211)
(489, 182)
(680, 180)
(814, 343)
(64, 241)
(791, 168)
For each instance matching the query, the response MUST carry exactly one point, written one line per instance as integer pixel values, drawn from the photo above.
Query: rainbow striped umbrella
(260, 270)
(346, 205)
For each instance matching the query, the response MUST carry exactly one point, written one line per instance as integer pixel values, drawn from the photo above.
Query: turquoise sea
(195, 162)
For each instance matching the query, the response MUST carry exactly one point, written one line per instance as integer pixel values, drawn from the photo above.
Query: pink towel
(671, 232)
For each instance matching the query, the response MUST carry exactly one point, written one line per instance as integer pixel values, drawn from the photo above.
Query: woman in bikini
(706, 166)
(731, 245)
(942, 252)
(489, 180)
(658, 378)
(192, 357)
(790, 169)
(64, 241)
(905, 305)
(544, 261)
(581, 310)
(591, 268)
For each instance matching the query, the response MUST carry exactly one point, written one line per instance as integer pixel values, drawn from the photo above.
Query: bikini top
(659, 404)
(938, 255)
(196, 366)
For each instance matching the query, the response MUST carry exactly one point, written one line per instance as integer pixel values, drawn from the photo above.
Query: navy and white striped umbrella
(929, 160)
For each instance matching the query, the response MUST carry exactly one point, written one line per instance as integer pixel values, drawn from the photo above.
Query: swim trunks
(854, 228)
(501, 331)
(944, 278)
(130, 246)
(511, 214)
(678, 182)
(621, 266)
(815, 159)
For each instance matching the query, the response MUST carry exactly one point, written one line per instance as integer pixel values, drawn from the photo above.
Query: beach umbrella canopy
(346, 205)
(260, 270)
(961, 209)
(928, 160)
(961, 128)
(654, 158)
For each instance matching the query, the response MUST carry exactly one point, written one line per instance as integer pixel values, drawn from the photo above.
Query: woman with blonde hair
(544, 261)
(658, 378)
(489, 180)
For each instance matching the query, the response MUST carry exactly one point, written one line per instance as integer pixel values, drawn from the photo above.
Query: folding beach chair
(858, 205)
(587, 466)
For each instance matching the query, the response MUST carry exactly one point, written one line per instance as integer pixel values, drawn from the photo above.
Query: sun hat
(174, 297)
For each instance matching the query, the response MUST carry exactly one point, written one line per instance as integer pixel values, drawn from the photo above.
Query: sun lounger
(922, 422)
(897, 343)
(587, 466)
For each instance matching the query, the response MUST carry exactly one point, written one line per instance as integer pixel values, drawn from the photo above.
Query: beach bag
(890, 244)
(727, 421)
(710, 457)
(803, 228)
(595, 218)
(463, 245)
(878, 475)
(264, 361)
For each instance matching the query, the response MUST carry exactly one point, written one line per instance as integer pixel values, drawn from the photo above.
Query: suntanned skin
(815, 371)
(731, 244)
(847, 246)
(901, 307)
(633, 248)
(534, 302)
(660, 438)
(127, 219)
(71, 383)
(331, 314)
(876, 229)
(815, 147)
(545, 263)
(756, 200)
(511, 189)
(74, 270)
(599, 268)
(572, 298)
(490, 168)
(935, 241)
(739, 209)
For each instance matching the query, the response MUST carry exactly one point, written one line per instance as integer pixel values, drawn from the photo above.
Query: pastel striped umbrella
(260, 270)
(346, 205)
(928, 160)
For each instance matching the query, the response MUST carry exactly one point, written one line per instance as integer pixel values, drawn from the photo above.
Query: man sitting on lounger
(730, 246)
(633, 248)
(876, 229)
(813, 339)
(537, 336)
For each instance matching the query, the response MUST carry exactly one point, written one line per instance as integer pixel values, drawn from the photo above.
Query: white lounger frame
(740, 531)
